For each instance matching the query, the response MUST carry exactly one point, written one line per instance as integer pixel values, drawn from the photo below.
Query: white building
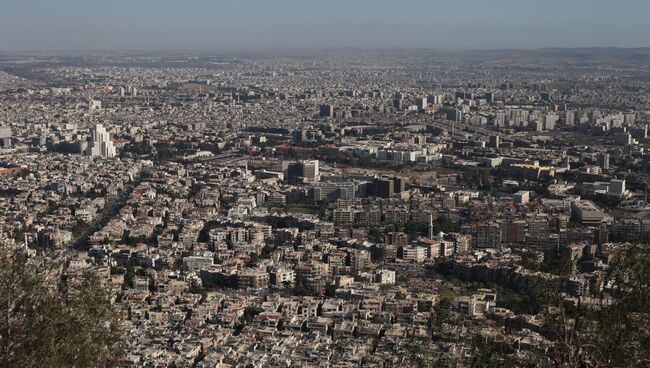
(100, 143)
(94, 104)
(414, 253)
(386, 277)
(194, 263)
(521, 197)
(310, 172)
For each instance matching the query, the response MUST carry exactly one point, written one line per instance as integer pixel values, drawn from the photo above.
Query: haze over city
(296, 24)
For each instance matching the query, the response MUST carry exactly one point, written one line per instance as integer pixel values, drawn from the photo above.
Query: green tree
(614, 333)
(48, 320)
(558, 262)
(620, 336)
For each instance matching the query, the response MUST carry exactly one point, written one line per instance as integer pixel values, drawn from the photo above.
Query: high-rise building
(549, 121)
(291, 170)
(630, 118)
(454, 115)
(570, 118)
(603, 161)
(421, 103)
(495, 141)
(399, 184)
(305, 170)
(436, 99)
(326, 111)
(383, 187)
(310, 171)
(100, 143)
(301, 135)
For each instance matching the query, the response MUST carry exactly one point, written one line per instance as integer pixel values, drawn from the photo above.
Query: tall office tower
(603, 161)
(399, 184)
(421, 103)
(310, 171)
(100, 143)
(301, 135)
(436, 99)
(120, 91)
(289, 168)
(570, 118)
(549, 121)
(489, 97)
(397, 103)
(454, 115)
(326, 111)
(383, 187)
(495, 140)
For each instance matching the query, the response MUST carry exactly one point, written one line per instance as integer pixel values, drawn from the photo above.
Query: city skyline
(314, 183)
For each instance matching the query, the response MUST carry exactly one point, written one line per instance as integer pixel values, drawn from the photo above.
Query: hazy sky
(294, 24)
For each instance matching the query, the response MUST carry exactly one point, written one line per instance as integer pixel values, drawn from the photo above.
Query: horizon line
(311, 49)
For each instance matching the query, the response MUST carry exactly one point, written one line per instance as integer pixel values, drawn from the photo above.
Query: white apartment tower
(100, 143)
(310, 171)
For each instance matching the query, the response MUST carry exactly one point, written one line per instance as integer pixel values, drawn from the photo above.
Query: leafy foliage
(53, 321)
(621, 332)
